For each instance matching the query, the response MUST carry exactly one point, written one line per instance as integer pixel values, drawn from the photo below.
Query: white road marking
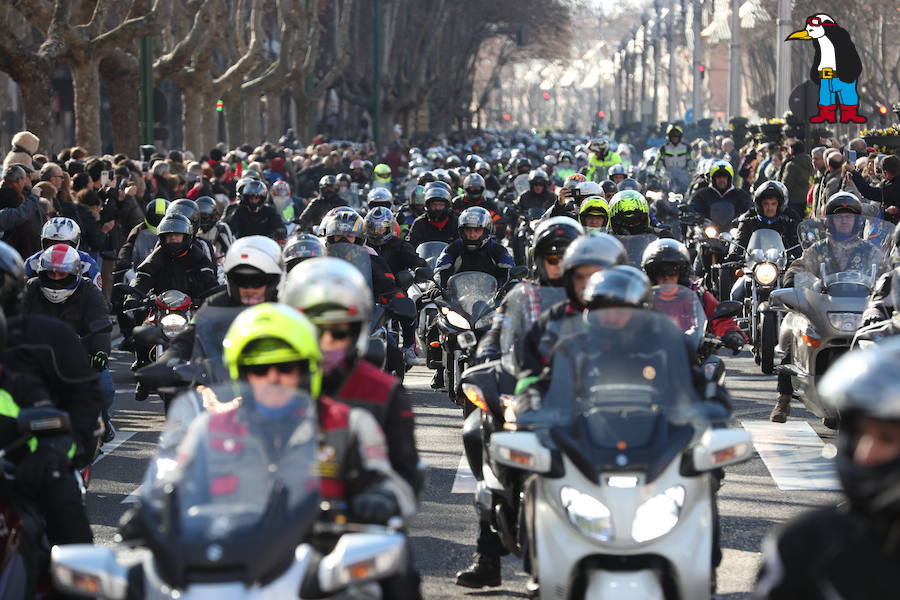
(793, 454)
(464, 482)
(117, 341)
(121, 438)
(133, 497)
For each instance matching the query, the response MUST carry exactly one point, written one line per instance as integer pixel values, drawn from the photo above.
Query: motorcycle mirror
(361, 557)
(726, 309)
(89, 571)
(403, 308)
(783, 299)
(405, 279)
(720, 447)
(43, 421)
(520, 450)
(424, 274)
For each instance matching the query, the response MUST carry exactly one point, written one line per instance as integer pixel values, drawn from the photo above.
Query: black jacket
(192, 273)
(84, 310)
(492, 259)
(785, 225)
(399, 255)
(528, 200)
(888, 193)
(423, 230)
(25, 237)
(316, 210)
(265, 221)
(703, 201)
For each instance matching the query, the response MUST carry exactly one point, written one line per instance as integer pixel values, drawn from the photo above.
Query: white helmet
(60, 230)
(252, 262)
(281, 189)
(330, 290)
(589, 188)
(59, 258)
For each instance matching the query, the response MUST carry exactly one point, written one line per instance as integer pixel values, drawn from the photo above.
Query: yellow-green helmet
(270, 333)
(593, 206)
(629, 213)
(382, 172)
(721, 165)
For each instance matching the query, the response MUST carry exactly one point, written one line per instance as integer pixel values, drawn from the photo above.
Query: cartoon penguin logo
(836, 68)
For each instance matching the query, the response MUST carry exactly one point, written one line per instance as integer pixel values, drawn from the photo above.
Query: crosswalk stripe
(121, 438)
(133, 497)
(793, 454)
(464, 482)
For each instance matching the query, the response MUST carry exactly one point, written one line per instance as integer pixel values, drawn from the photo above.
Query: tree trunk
(234, 104)
(86, 83)
(120, 76)
(275, 117)
(210, 122)
(251, 123)
(37, 90)
(192, 119)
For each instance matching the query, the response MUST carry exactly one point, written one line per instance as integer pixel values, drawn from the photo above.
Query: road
(443, 532)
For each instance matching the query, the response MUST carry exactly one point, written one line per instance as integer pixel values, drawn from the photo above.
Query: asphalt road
(443, 532)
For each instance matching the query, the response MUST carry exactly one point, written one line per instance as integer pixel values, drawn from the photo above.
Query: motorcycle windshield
(472, 292)
(521, 184)
(635, 246)
(765, 239)
(241, 480)
(353, 254)
(430, 251)
(524, 304)
(848, 255)
(210, 326)
(721, 214)
(684, 307)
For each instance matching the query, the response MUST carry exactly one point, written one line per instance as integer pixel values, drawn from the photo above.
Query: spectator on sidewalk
(795, 173)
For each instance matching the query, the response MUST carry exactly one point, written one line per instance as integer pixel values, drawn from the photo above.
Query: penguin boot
(849, 114)
(827, 114)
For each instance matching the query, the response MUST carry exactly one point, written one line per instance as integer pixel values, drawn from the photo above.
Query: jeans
(834, 91)
(739, 289)
(107, 392)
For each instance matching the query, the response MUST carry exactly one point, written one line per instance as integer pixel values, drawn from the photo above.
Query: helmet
(253, 261)
(343, 178)
(300, 248)
(620, 286)
(663, 256)
(270, 334)
(862, 384)
(472, 217)
(629, 213)
(379, 225)
(355, 165)
(616, 169)
(328, 185)
(436, 192)
(323, 224)
(329, 290)
(628, 184)
(843, 202)
(474, 185)
(717, 168)
(574, 179)
(452, 161)
(596, 249)
(253, 189)
(674, 129)
(442, 175)
(176, 223)
(154, 213)
(12, 279)
(771, 189)
(251, 174)
(426, 178)
(281, 189)
(552, 237)
(581, 158)
(482, 166)
(380, 197)
(60, 230)
(382, 173)
(187, 208)
(608, 188)
(565, 156)
(588, 188)
(537, 177)
(599, 145)
(417, 199)
(522, 165)
(345, 223)
(59, 258)
(208, 213)
(594, 206)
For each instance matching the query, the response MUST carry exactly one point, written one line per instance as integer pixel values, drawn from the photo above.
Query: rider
(675, 157)
(601, 159)
(474, 250)
(300, 248)
(383, 176)
(842, 249)
(439, 223)
(327, 200)
(721, 189)
(594, 214)
(855, 551)
(473, 185)
(616, 174)
(62, 230)
(289, 207)
(771, 211)
(629, 214)
(210, 228)
(379, 196)
(142, 238)
(411, 210)
(538, 194)
(253, 216)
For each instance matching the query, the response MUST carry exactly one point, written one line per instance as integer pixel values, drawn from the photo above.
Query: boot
(826, 114)
(782, 409)
(437, 381)
(140, 392)
(484, 571)
(849, 114)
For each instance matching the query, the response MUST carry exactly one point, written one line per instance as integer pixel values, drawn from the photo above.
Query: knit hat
(24, 145)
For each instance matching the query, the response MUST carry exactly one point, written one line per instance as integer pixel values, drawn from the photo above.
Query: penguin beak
(799, 35)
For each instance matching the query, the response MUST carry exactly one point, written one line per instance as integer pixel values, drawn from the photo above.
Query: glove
(375, 507)
(99, 360)
(871, 316)
(734, 341)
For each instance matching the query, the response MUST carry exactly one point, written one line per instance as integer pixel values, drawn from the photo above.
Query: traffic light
(601, 114)
(702, 70)
(507, 116)
(546, 95)
(220, 106)
(882, 109)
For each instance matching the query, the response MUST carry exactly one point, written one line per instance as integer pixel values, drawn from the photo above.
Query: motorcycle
(528, 222)
(823, 310)
(616, 458)
(427, 310)
(262, 538)
(765, 260)
(703, 240)
(665, 207)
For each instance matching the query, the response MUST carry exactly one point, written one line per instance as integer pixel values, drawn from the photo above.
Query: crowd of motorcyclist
(276, 267)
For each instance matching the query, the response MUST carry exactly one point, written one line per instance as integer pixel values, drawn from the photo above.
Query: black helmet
(155, 211)
(597, 249)
(552, 237)
(665, 257)
(208, 214)
(863, 384)
(300, 248)
(343, 178)
(426, 178)
(771, 189)
(253, 189)
(843, 202)
(522, 165)
(175, 223)
(475, 217)
(328, 185)
(618, 287)
(188, 208)
(628, 184)
(12, 279)
(436, 192)
(609, 188)
(537, 177)
(474, 185)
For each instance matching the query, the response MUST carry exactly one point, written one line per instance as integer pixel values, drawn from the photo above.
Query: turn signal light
(810, 341)
(435, 344)
(474, 395)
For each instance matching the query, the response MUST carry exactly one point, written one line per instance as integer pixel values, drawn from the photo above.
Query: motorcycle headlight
(173, 324)
(710, 232)
(658, 515)
(765, 273)
(588, 514)
(845, 321)
(455, 319)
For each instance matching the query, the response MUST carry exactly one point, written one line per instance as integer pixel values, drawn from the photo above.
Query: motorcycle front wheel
(768, 339)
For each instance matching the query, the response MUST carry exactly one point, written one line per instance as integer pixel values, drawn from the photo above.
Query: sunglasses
(250, 281)
(816, 22)
(553, 259)
(283, 368)
(337, 334)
